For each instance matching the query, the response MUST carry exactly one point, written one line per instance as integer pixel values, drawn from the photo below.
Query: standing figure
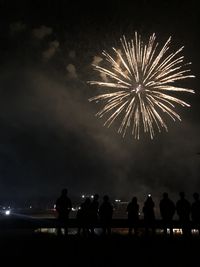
(133, 215)
(183, 209)
(105, 213)
(167, 211)
(84, 217)
(94, 207)
(149, 215)
(63, 208)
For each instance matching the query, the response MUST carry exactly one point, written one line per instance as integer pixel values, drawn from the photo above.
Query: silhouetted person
(167, 211)
(105, 213)
(94, 207)
(183, 209)
(84, 216)
(63, 207)
(195, 211)
(133, 215)
(79, 218)
(149, 216)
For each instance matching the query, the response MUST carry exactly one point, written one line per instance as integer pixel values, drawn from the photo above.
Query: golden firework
(139, 79)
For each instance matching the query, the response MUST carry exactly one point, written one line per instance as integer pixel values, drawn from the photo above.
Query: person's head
(134, 199)
(87, 201)
(106, 198)
(182, 195)
(149, 199)
(196, 196)
(64, 192)
(96, 197)
(165, 195)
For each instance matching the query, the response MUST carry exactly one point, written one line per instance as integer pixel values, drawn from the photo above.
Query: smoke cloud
(41, 32)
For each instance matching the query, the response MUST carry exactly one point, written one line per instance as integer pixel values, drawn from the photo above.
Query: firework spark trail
(140, 78)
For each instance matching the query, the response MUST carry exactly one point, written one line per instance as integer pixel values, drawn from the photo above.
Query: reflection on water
(121, 231)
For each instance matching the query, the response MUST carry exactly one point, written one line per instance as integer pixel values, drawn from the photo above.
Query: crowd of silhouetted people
(92, 212)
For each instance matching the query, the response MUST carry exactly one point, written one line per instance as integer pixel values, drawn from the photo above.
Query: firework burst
(139, 79)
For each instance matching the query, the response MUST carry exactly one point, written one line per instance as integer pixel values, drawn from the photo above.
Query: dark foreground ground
(41, 249)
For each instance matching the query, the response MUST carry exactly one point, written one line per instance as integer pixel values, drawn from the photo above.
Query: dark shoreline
(39, 249)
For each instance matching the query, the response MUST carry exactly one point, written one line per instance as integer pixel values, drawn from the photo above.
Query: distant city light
(87, 195)
(195, 231)
(7, 212)
(177, 231)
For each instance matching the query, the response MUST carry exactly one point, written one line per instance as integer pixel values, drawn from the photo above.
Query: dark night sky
(49, 135)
